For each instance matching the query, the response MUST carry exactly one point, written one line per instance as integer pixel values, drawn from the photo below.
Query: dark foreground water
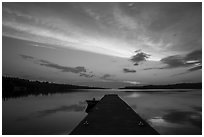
(168, 111)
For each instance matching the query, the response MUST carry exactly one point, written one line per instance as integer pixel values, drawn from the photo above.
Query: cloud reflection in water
(64, 108)
(176, 120)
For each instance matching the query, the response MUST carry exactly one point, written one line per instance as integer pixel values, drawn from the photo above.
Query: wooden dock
(112, 116)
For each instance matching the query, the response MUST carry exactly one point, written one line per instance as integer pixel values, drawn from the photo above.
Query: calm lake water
(168, 111)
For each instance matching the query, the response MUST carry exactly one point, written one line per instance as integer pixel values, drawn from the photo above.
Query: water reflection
(168, 112)
(196, 108)
(47, 112)
(159, 121)
(75, 108)
(179, 120)
(184, 117)
(133, 95)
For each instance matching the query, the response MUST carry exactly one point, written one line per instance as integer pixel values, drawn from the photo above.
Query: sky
(103, 44)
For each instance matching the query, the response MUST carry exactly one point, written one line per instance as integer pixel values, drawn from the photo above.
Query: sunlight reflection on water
(133, 95)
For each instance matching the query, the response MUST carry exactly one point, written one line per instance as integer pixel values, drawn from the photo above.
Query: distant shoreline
(172, 86)
(16, 87)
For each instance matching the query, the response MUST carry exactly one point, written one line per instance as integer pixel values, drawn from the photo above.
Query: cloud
(92, 14)
(174, 61)
(26, 57)
(188, 70)
(195, 68)
(117, 28)
(62, 68)
(49, 29)
(194, 56)
(139, 57)
(78, 69)
(192, 59)
(132, 82)
(110, 78)
(86, 75)
(42, 46)
(126, 70)
(150, 68)
(123, 20)
(106, 76)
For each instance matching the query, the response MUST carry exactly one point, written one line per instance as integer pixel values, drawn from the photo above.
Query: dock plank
(112, 116)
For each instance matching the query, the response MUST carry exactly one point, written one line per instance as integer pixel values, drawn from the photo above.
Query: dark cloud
(139, 57)
(149, 68)
(195, 68)
(183, 117)
(78, 69)
(174, 61)
(195, 55)
(106, 76)
(155, 68)
(86, 75)
(192, 59)
(26, 57)
(62, 68)
(126, 70)
(137, 51)
(189, 59)
(136, 64)
(189, 70)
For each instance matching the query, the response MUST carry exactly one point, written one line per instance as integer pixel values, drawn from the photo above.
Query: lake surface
(168, 111)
